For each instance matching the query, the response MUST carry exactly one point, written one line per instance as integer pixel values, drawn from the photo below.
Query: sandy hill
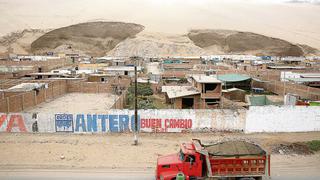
(202, 42)
(152, 44)
(128, 39)
(227, 41)
(19, 42)
(94, 38)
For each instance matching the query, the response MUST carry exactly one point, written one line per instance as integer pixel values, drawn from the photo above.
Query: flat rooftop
(202, 78)
(304, 79)
(179, 91)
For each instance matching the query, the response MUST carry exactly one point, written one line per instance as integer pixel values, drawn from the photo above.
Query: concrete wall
(283, 119)
(123, 120)
(256, 119)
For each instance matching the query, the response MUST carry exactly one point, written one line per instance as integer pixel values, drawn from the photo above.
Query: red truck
(233, 160)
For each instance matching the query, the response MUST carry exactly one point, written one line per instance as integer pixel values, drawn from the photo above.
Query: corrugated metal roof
(233, 77)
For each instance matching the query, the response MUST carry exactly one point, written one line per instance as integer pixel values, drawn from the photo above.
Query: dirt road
(115, 152)
(37, 174)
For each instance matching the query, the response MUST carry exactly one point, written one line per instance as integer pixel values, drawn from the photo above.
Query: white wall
(282, 119)
(256, 119)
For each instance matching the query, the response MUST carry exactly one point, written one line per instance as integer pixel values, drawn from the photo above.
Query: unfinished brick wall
(19, 101)
(88, 87)
(97, 87)
(6, 75)
(29, 100)
(282, 88)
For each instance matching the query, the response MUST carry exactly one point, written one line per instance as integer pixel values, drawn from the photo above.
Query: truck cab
(187, 160)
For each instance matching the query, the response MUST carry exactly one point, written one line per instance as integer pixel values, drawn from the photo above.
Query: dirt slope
(227, 41)
(94, 38)
(127, 39)
(19, 42)
(157, 44)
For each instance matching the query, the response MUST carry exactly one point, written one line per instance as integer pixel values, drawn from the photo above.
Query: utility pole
(135, 141)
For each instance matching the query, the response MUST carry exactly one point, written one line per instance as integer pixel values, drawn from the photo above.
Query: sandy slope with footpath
(114, 151)
(153, 44)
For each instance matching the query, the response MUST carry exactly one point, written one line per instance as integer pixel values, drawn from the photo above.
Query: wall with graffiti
(123, 121)
(256, 119)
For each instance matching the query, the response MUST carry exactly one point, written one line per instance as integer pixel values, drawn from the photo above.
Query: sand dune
(94, 38)
(150, 44)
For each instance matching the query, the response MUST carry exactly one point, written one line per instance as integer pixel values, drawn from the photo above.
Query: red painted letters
(15, 121)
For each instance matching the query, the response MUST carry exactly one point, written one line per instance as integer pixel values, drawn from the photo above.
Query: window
(165, 166)
(190, 158)
(209, 87)
(187, 103)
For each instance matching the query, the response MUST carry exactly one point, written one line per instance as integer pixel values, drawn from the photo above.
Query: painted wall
(123, 121)
(15, 122)
(282, 119)
(256, 119)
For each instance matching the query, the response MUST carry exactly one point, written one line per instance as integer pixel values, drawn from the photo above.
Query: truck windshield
(181, 155)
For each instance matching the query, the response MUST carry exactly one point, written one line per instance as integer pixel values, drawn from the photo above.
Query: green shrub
(144, 101)
(314, 145)
(143, 90)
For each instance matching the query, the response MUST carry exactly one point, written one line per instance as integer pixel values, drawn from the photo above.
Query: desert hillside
(157, 44)
(19, 42)
(227, 41)
(94, 38)
(128, 39)
(206, 42)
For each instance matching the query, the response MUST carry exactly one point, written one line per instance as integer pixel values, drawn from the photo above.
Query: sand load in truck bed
(234, 148)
